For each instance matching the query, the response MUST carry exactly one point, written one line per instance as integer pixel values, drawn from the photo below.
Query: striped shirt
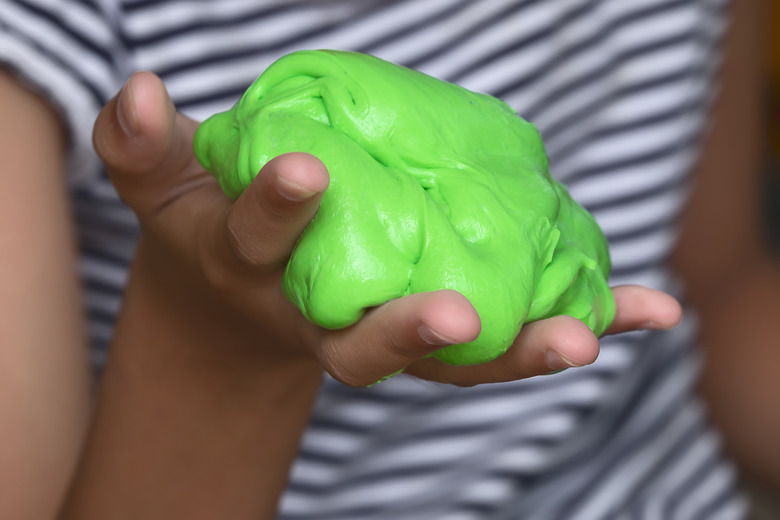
(620, 91)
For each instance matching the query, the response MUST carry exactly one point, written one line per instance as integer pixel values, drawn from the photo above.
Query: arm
(213, 372)
(43, 358)
(191, 422)
(731, 275)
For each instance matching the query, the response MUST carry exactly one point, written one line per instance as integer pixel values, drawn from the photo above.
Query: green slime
(432, 187)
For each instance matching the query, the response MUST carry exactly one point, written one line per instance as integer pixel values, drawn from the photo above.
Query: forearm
(732, 279)
(740, 376)
(44, 383)
(189, 422)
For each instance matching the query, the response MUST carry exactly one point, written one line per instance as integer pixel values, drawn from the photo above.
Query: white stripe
(626, 182)
(657, 278)
(78, 17)
(51, 38)
(100, 331)
(170, 16)
(652, 247)
(104, 272)
(465, 50)
(632, 143)
(661, 25)
(194, 45)
(67, 95)
(646, 212)
(477, 47)
(232, 75)
(622, 480)
(698, 498)
(107, 303)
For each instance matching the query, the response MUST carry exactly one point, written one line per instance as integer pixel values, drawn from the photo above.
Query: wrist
(185, 394)
(168, 324)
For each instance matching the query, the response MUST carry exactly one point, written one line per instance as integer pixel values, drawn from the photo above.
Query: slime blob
(432, 187)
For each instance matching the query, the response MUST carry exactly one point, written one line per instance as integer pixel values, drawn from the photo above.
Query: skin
(736, 285)
(213, 372)
(43, 363)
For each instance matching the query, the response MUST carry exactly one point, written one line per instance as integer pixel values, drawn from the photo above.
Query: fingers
(640, 307)
(146, 146)
(541, 347)
(267, 219)
(396, 334)
(560, 342)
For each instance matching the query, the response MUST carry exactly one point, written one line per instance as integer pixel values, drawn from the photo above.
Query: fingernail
(125, 110)
(432, 337)
(556, 361)
(292, 190)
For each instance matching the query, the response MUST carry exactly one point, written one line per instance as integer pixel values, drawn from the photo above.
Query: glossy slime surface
(432, 187)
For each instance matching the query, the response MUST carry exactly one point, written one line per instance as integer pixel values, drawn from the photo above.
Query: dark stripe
(655, 154)
(630, 199)
(462, 38)
(683, 109)
(98, 286)
(537, 37)
(324, 423)
(79, 34)
(477, 509)
(112, 259)
(719, 502)
(681, 492)
(660, 467)
(97, 223)
(570, 52)
(635, 269)
(418, 26)
(234, 54)
(225, 95)
(664, 222)
(551, 131)
(620, 412)
(169, 32)
(96, 94)
(101, 316)
(627, 414)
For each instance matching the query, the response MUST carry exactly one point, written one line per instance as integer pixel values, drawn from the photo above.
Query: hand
(225, 259)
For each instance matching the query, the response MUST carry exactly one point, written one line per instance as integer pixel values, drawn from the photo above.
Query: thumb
(146, 146)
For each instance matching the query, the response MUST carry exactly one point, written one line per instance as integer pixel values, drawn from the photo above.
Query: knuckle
(243, 248)
(341, 369)
(217, 273)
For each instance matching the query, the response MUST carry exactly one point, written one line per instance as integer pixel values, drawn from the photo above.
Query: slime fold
(432, 187)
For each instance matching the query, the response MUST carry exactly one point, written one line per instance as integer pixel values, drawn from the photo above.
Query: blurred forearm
(724, 256)
(43, 358)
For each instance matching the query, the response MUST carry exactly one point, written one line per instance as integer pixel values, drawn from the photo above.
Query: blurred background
(773, 121)
(766, 504)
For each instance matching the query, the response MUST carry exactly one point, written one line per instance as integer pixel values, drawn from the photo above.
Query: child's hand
(226, 258)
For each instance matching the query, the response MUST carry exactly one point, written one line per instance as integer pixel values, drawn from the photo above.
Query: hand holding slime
(432, 187)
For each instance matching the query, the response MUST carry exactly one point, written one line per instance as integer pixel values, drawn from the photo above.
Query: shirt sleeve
(71, 53)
